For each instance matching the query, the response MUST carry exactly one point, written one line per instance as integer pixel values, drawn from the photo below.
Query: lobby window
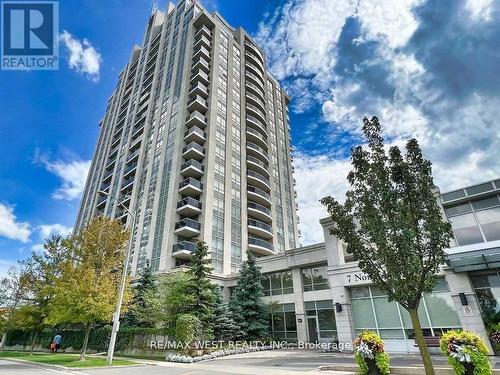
(372, 311)
(487, 288)
(476, 221)
(315, 278)
(283, 323)
(277, 283)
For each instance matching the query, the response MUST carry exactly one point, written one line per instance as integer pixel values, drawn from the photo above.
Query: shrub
(369, 349)
(464, 349)
(187, 328)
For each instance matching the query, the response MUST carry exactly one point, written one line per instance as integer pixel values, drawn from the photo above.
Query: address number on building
(357, 278)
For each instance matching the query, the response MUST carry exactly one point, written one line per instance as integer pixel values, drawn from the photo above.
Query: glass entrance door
(312, 328)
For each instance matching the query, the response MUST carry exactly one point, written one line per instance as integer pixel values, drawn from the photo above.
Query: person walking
(57, 343)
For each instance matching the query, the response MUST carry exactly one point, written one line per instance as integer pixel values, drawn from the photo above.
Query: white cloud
(73, 175)
(10, 227)
(48, 229)
(480, 9)
(83, 57)
(382, 71)
(317, 177)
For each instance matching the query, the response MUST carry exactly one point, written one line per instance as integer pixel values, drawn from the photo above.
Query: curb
(398, 370)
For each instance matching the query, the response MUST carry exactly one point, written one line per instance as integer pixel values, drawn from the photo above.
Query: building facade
(319, 294)
(195, 143)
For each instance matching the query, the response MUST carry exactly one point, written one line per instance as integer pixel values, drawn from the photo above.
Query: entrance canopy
(474, 260)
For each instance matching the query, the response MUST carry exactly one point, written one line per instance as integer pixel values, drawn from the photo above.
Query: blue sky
(426, 68)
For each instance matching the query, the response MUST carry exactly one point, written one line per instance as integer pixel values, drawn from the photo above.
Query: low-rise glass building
(318, 293)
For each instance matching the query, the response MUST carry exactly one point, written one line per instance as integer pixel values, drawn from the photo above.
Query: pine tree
(248, 310)
(225, 328)
(144, 284)
(202, 289)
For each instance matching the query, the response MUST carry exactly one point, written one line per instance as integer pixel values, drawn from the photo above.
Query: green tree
(34, 284)
(248, 310)
(142, 286)
(87, 289)
(201, 288)
(10, 299)
(168, 300)
(224, 326)
(392, 224)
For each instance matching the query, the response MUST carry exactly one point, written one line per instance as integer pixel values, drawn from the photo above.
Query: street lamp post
(116, 315)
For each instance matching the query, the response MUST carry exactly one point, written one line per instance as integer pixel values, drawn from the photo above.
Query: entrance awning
(481, 259)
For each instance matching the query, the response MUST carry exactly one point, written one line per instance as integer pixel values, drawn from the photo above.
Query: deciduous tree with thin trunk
(392, 224)
(87, 289)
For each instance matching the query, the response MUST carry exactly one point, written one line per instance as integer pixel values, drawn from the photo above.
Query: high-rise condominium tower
(195, 143)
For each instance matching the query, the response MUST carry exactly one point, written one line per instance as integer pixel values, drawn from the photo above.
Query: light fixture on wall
(338, 307)
(463, 299)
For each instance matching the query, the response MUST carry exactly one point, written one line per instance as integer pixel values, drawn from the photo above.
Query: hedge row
(98, 340)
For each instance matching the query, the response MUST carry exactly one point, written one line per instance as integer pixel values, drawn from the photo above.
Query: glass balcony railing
(192, 163)
(259, 207)
(262, 193)
(184, 245)
(192, 182)
(261, 225)
(259, 177)
(189, 201)
(259, 242)
(190, 223)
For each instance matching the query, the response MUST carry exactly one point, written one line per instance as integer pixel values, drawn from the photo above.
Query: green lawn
(63, 359)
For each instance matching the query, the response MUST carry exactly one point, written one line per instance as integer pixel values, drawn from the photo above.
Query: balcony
(257, 151)
(199, 76)
(190, 187)
(253, 78)
(101, 202)
(257, 166)
(250, 57)
(183, 249)
(189, 207)
(256, 89)
(259, 212)
(196, 119)
(198, 89)
(197, 103)
(201, 52)
(203, 30)
(258, 180)
(192, 168)
(129, 170)
(193, 151)
(256, 101)
(202, 40)
(251, 68)
(256, 112)
(187, 228)
(257, 124)
(107, 178)
(260, 246)
(255, 50)
(201, 63)
(195, 134)
(127, 184)
(257, 137)
(133, 156)
(260, 228)
(258, 195)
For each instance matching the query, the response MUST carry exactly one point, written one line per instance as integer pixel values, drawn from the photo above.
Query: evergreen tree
(225, 328)
(248, 310)
(144, 284)
(201, 288)
(392, 224)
